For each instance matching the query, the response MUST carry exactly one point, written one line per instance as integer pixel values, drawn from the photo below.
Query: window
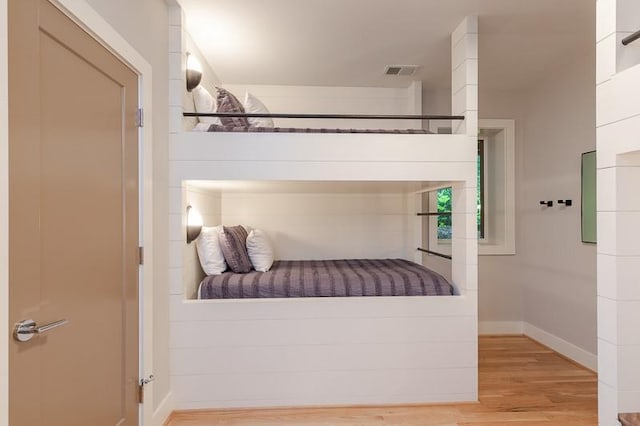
(496, 193)
(444, 201)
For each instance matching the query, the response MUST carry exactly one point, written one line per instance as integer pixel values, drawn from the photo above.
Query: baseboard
(164, 410)
(567, 349)
(500, 328)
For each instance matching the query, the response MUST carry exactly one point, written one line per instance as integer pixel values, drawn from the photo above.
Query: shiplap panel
(246, 359)
(308, 331)
(315, 170)
(328, 387)
(328, 307)
(266, 147)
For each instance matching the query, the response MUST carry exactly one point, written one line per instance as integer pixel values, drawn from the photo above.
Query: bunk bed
(301, 351)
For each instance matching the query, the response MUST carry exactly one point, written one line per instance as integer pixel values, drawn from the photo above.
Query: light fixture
(194, 72)
(194, 224)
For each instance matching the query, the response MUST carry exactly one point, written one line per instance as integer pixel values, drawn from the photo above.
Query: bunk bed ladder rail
(631, 38)
(426, 250)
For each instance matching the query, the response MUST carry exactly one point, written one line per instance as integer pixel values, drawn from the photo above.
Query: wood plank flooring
(521, 383)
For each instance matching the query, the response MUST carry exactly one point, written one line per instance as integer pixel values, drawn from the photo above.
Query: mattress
(328, 278)
(219, 128)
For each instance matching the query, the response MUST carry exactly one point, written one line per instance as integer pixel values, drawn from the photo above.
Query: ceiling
(350, 42)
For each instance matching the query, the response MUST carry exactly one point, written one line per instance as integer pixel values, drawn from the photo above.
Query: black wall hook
(546, 203)
(567, 203)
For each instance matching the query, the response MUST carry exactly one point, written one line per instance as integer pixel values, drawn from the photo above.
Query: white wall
(557, 270)
(209, 205)
(333, 100)
(326, 226)
(151, 40)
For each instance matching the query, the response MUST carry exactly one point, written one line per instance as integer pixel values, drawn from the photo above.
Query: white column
(177, 67)
(618, 152)
(464, 76)
(464, 95)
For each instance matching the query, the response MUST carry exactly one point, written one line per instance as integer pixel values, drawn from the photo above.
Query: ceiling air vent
(400, 69)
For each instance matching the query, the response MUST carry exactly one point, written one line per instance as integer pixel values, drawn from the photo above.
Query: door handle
(26, 329)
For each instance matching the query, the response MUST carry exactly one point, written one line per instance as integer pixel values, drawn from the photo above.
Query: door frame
(87, 18)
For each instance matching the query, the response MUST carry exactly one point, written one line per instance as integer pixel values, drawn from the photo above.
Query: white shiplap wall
(332, 351)
(337, 100)
(618, 156)
(327, 226)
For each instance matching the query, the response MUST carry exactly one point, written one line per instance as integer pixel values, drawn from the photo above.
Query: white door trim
(4, 218)
(94, 24)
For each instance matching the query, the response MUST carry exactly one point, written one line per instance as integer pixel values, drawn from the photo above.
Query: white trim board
(567, 349)
(93, 23)
(164, 410)
(4, 218)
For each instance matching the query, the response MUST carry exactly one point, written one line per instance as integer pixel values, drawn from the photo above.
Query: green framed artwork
(589, 217)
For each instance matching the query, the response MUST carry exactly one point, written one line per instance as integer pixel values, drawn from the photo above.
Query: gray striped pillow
(233, 242)
(229, 103)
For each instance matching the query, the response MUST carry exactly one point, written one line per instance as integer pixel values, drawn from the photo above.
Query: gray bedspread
(219, 128)
(328, 278)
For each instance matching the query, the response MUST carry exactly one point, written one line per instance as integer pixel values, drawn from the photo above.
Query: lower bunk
(377, 326)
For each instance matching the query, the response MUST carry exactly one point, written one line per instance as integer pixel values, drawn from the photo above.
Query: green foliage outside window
(444, 204)
(444, 221)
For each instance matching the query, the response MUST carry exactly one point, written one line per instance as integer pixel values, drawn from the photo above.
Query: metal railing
(631, 38)
(326, 116)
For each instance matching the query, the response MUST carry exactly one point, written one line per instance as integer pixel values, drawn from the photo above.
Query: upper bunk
(313, 126)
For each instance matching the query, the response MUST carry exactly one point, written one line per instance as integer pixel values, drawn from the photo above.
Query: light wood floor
(521, 383)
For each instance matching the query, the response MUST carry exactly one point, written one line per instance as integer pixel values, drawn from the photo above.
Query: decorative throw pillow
(205, 103)
(209, 251)
(229, 103)
(259, 250)
(233, 242)
(253, 105)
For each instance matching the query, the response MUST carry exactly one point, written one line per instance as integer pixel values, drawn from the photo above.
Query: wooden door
(73, 219)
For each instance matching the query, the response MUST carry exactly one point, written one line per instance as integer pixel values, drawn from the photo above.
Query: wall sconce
(194, 224)
(194, 72)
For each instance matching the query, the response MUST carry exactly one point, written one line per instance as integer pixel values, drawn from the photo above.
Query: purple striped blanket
(219, 128)
(328, 278)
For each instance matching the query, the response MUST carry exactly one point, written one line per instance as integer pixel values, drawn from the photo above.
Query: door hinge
(141, 255)
(140, 117)
(141, 385)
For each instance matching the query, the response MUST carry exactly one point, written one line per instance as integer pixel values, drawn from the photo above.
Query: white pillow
(205, 103)
(209, 251)
(201, 127)
(260, 251)
(252, 105)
